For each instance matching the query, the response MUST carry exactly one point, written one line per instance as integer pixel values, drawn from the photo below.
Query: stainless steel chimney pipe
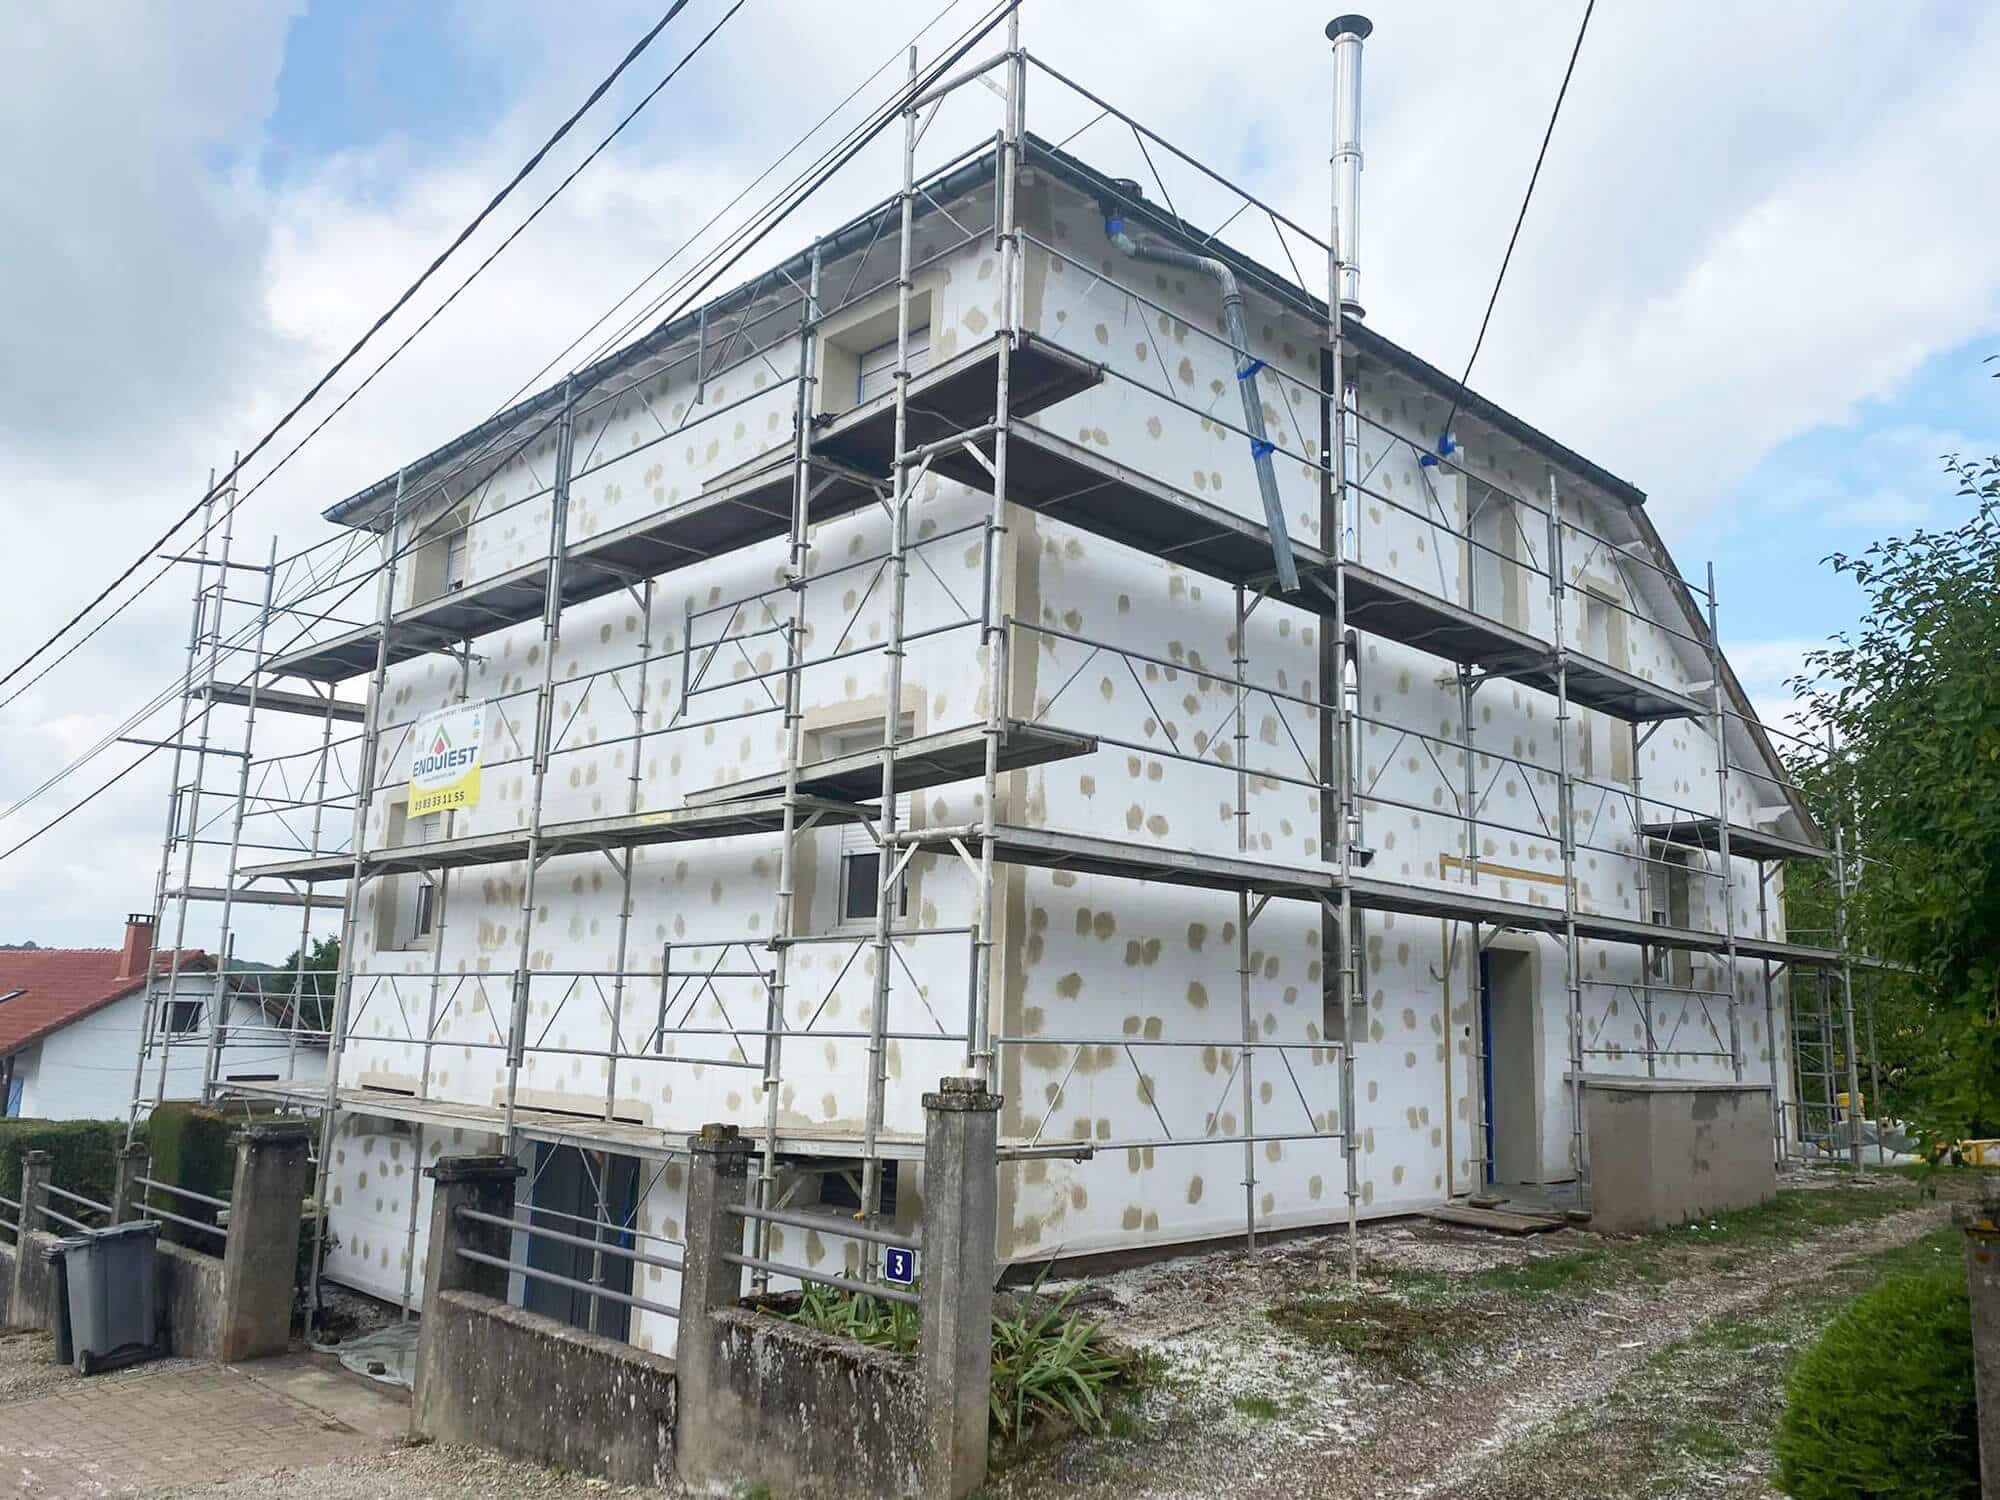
(1347, 34)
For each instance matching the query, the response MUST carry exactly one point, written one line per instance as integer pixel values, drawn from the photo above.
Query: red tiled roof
(58, 986)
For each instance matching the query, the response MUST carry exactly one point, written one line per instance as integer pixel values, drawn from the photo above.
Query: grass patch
(1257, 1408)
(1406, 1337)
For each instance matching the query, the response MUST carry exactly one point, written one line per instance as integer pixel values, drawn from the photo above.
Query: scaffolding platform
(924, 761)
(280, 700)
(583, 836)
(556, 1127)
(954, 397)
(1744, 843)
(1050, 849)
(1072, 483)
(247, 896)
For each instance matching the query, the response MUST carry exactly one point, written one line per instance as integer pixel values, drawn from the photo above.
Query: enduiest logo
(443, 756)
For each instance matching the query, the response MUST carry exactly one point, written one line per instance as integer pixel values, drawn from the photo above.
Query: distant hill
(18, 947)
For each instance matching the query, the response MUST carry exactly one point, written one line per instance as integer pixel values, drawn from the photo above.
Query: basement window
(841, 1190)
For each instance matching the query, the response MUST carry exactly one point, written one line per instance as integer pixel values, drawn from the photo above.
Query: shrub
(86, 1160)
(190, 1147)
(1882, 1404)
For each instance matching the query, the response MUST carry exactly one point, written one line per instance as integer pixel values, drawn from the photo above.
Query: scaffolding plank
(280, 700)
(924, 761)
(1746, 843)
(626, 1137)
(737, 512)
(243, 896)
(1049, 849)
(623, 831)
(957, 396)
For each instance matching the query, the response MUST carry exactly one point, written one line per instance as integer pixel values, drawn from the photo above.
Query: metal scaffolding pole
(306, 907)
(785, 920)
(192, 837)
(1566, 827)
(1720, 721)
(364, 796)
(196, 609)
(225, 945)
(889, 866)
(545, 705)
(1855, 1109)
(1246, 913)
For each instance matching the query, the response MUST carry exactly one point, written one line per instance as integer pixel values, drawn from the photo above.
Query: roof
(46, 989)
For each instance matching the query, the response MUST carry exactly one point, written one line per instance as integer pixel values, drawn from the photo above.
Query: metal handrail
(535, 1274)
(825, 1224)
(65, 1219)
(477, 1217)
(181, 1192)
(838, 1283)
(103, 1208)
(173, 1218)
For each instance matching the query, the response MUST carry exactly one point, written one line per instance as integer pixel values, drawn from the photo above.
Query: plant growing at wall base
(874, 1321)
(1051, 1365)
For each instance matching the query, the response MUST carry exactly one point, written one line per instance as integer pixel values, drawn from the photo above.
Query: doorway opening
(582, 1194)
(1513, 1067)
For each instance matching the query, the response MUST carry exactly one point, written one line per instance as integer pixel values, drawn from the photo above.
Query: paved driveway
(175, 1423)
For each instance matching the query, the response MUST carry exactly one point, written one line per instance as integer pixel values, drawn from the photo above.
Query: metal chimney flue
(1347, 34)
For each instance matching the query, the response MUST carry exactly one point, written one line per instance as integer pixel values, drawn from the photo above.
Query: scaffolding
(750, 1001)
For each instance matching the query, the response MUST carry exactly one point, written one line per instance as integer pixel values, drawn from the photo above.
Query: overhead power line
(1522, 217)
(374, 328)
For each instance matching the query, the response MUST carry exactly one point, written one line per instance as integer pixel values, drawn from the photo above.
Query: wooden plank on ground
(1498, 1220)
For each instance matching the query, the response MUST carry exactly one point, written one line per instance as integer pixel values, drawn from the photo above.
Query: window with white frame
(406, 904)
(875, 369)
(860, 890)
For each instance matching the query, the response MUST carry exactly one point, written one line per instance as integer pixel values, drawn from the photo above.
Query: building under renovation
(1028, 633)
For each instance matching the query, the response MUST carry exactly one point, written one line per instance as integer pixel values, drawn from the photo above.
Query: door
(574, 1193)
(1512, 1074)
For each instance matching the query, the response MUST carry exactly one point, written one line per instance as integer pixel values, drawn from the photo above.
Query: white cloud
(1744, 230)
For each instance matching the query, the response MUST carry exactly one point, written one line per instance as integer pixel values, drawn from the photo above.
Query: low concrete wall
(6, 1286)
(190, 1301)
(511, 1380)
(1664, 1152)
(810, 1414)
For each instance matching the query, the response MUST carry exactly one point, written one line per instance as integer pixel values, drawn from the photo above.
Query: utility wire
(376, 327)
(716, 263)
(1520, 218)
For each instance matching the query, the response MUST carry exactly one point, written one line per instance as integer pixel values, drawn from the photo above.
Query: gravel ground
(1497, 1397)
(28, 1367)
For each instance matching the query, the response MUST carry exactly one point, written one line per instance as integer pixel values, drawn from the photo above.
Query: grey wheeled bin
(114, 1296)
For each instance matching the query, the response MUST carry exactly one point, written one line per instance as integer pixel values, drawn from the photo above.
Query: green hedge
(1882, 1405)
(86, 1159)
(190, 1146)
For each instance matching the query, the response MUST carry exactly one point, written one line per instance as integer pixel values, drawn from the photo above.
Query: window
(842, 1190)
(875, 370)
(583, 1195)
(182, 1016)
(860, 892)
(1668, 888)
(406, 904)
(457, 546)
(442, 560)
(1494, 577)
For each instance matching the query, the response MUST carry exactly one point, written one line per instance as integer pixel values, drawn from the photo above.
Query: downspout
(1261, 447)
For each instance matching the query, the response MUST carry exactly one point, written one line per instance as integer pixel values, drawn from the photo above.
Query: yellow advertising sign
(445, 759)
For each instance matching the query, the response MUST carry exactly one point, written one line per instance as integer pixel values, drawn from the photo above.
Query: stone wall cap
(966, 1095)
(36, 1158)
(719, 1140)
(470, 1168)
(273, 1132)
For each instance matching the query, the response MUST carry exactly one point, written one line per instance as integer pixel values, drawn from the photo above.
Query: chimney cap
(1359, 27)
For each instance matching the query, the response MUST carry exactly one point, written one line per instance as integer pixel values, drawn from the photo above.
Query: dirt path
(1475, 1368)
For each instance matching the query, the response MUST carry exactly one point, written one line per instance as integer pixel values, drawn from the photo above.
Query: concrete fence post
(260, 1260)
(1981, 1223)
(32, 1283)
(718, 1179)
(486, 1185)
(960, 1219)
(134, 1162)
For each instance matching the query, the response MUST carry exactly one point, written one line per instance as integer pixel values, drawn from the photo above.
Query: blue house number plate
(899, 1267)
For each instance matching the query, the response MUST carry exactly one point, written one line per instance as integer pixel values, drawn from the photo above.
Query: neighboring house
(70, 1019)
(579, 963)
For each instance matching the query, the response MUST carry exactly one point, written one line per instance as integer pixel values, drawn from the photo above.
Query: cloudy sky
(1757, 280)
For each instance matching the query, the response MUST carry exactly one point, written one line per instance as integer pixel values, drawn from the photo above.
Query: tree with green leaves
(305, 986)
(1909, 702)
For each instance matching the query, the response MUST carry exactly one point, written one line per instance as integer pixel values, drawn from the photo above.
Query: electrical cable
(397, 306)
(1444, 433)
